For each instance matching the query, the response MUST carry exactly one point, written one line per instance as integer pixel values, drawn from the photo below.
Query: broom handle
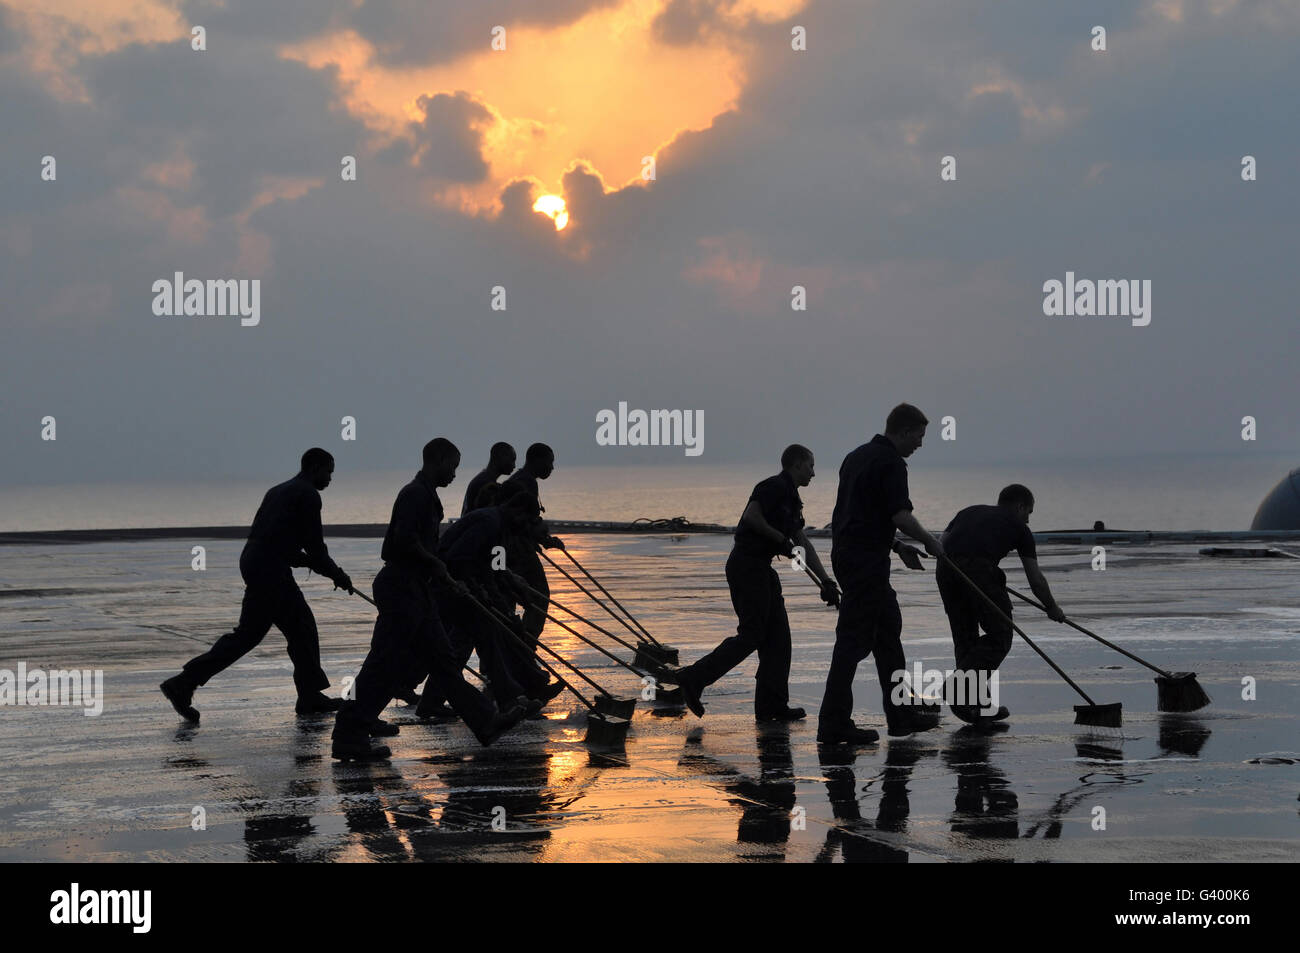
(593, 598)
(542, 662)
(358, 592)
(1074, 625)
(578, 635)
(812, 575)
(644, 631)
(568, 665)
(994, 606)
(542, 602)
(817, 582)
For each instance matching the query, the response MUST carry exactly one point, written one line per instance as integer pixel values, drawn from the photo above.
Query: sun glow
(552, 206)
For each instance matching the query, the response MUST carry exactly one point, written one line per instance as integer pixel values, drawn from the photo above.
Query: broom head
(1099, 716)
(1180, 692)
(607, 731)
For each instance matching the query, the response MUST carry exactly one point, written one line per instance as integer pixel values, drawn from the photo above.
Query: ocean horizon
(1165, 492)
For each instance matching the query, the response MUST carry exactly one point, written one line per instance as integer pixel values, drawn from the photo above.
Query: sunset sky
(773, 168)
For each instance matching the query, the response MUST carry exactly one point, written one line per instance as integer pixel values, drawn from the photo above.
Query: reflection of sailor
(984, 806)
(852, 835)
(767, 802)
(512, 788)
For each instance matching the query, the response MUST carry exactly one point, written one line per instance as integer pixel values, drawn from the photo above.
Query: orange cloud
(601, 89)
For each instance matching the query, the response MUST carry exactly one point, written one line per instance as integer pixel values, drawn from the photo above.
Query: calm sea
(1173, 492)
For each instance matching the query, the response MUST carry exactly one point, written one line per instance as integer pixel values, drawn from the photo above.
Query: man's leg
(986, 652)
(750, 597)
(960, 605)
(516, 663)
(445, 675)
(506, 689)
(887, 628)
(461, 640)
(256, 616)
(772, 680)
(891, 661)
(528, 565)
(854, 637)
(294, 618)
(392, 653)
(470, 630)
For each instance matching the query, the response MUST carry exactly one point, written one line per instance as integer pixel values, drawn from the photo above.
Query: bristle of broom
(1181, 692)
(1099, 716)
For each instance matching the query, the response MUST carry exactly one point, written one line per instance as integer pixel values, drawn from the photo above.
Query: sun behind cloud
(602, 89)
(553, 207)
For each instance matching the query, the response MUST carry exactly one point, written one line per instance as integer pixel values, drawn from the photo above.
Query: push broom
(665, 691)
(1092, 714)
(646, 651)
(1175, 691)
(607, 703)
(656, 650)
(602, 729)
(466, 667)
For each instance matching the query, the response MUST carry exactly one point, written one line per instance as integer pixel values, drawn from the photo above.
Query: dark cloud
(826, 173)
(282, 20)
(683, 22)
(417, 32)
(450, 137)
(240, 113)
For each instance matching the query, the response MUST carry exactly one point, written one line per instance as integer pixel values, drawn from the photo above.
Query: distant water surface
(1171, 492)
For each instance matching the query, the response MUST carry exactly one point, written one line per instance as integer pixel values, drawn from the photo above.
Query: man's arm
(909, 524)
(811, 558)
(830, 591)
(469, 557)
(753, 519)
(316, 553)
(1042, 590)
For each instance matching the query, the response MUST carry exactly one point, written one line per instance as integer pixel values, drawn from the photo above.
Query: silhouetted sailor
(501, 462)
(286, 532)
(437, 708)
(539, 463)
(474, 552)
(871, 503)
(408, 632)
(976, 540)
(771, 525)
